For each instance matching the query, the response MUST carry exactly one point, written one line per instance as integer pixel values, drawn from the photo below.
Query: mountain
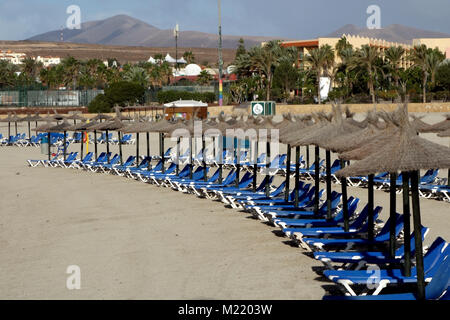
(124, 30)
(393, 32)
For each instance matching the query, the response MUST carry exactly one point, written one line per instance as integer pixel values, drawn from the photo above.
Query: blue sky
(20, 19)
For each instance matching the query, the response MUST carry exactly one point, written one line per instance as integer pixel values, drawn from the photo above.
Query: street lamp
(175, 33)
(220, 56)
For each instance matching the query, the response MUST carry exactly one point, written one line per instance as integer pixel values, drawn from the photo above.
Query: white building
(12, 57)
(48, 60)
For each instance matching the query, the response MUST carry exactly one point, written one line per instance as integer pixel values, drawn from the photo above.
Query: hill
(124, 30)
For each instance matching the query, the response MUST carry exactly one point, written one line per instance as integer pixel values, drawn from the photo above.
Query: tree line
(361, 74)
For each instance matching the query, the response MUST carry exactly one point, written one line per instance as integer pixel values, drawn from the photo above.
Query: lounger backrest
(88, 157)
(401, 251)
(214, 177)
(263, 183)
(129, 161)
(198, 174)
(302, 191)
(362, 217)
(246, 180)
(230, 178)
(383, 235)
(440, 282)
(278, 190)
(435, 255)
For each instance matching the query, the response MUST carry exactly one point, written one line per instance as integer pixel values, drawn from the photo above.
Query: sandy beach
(136, 241)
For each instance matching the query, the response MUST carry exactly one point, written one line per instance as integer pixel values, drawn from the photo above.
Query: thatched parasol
(441, 126)
(75, 117)
(99, 117)
(444, 134)
(419, 125)
(62, 127)
(407, 152)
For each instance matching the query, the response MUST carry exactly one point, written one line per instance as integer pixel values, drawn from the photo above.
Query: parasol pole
(417, 235)
(120, 147)
(147, 134)
(95, 143)
(328, 181)
(107, 145)
(205, 171)
(392, 212)
(370, 217)
(297, 175)
(255, 164)
(345, 200)
(288, 172)
(317, 180)
(406, 224)
(238, 160)
(137, 149)
(268, 168)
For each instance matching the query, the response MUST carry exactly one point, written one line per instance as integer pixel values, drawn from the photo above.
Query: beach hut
(186, 109)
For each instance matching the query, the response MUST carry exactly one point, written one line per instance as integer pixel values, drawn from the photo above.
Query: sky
(295, 19)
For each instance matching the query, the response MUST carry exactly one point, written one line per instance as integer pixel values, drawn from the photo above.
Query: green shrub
(123, 93)
(100, 104)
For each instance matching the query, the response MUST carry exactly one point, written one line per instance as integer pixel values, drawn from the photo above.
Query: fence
(47, 98)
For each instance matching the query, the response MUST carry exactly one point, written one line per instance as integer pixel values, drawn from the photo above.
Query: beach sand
(136, 241)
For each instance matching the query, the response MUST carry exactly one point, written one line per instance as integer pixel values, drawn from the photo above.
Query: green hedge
(100, 104)
(169, 96)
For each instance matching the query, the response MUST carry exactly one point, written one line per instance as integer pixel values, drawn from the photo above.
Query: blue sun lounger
(352, 238)
(348, 280)
(350, 258)
(358, 227)
(337, 220)
(437, 289)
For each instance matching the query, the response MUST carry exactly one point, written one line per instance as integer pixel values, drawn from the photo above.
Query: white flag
(175, 31)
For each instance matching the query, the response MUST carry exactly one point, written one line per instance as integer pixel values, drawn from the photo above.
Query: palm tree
(419, 58)
(189, 57)
(137, 75)
(31, 69)
(71, 71)
(366, 58)
(434, 60)
(204, 78)
(265, 59)
(320, 60)
(394, 56)
(7, 73)
(342, 45)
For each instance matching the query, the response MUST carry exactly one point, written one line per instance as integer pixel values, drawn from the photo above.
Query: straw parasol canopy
(111, 125)
(420, 125)
(138, 127)
(83, 126)
(62, 127)
(372, 143)
(343, 141)
(9, 118)
(44, 127)
(101, 116)
(405, 151)
(444, 133)
(441, 126)
(305, 137)
(75, 116)
(336, 128)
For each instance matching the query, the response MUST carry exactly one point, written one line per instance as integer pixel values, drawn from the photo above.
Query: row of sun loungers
(350, 259)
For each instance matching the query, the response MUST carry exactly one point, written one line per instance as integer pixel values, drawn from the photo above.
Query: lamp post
(175, 33)
(220, 56)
